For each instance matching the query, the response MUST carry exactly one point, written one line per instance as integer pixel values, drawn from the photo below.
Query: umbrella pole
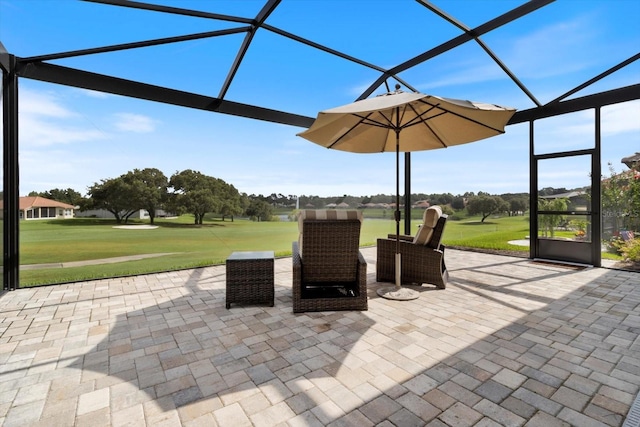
(397, 292)
(398, 256)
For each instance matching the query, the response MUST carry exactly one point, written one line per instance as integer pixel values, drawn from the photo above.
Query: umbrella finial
(397, 87)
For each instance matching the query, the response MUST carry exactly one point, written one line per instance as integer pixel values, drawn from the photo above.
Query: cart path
(92, 261)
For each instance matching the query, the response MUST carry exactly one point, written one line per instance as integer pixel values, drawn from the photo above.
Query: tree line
(187, 191)
(198, 194)
(192, 192)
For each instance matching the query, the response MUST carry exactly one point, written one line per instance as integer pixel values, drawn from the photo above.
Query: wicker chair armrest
(362, 276)
(361, 259)
(420, 263)
(402, 237)
(297, 268)
(295, 253)
(362, 263)
(420, 250)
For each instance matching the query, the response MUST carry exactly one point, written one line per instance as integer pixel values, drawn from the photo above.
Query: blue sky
(72, 138)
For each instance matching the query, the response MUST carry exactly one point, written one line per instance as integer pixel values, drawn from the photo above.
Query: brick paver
(509, 342)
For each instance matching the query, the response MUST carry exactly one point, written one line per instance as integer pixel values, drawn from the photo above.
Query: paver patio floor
(509, 342)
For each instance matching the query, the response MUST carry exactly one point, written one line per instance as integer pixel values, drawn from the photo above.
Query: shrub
(615, 244)
(630, 250)
(447, 210)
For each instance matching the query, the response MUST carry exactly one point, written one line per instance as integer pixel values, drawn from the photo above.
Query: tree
(232, 203)
(634, 200)
(550, 191)
(115, 195)
(485, 205)
(195, 193)
(69, 196)
(244, 201)
(458, 203)
(621, 199)
(259, 210)
(518, 205)
(503, 206)
(549, 222)
(149, 189)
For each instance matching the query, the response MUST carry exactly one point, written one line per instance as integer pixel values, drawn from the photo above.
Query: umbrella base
(398, 293)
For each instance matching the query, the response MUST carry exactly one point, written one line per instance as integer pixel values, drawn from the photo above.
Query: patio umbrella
(404, 122)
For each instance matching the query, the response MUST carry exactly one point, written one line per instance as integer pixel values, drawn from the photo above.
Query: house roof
(631, 161)
(569, 195)
(422, 204)
(41, 202)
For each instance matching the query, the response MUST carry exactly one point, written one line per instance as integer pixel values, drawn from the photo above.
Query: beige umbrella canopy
(426, 122)
(405, 122)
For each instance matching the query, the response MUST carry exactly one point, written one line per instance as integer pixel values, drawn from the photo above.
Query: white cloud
(35, 132)
(621, 118)
(44, 121)
(41, 104)
(482, 72)
(65, 168)
(94, 93)
(577, 130)
(522, 55)
(129, 122)
(566, 56)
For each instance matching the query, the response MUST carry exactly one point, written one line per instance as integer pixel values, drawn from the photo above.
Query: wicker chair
(422, 256)
(329, 272)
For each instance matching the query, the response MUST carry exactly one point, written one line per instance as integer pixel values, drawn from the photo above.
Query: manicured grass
(188, 245)
(80, 239)
(493, 233)
(44, 242)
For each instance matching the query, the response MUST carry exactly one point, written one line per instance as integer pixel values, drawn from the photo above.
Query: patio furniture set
(329, 271)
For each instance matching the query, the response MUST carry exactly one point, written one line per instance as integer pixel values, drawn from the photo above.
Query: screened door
(565, 201)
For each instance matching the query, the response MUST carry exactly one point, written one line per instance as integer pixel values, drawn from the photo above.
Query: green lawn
(59, 241)
(494, 233)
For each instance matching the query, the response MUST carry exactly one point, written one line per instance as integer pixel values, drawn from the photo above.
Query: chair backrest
(329, 243)
(438, 231)
(430, 233)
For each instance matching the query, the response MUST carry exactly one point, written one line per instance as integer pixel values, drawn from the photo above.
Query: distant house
(632, 162)
(36, 207)
(578, 199)
(373, 206)
(422, 204)
(570, 195)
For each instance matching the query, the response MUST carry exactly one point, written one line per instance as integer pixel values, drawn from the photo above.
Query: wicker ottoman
(250, 278)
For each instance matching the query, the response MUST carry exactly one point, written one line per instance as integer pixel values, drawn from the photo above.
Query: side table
(250, 278)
